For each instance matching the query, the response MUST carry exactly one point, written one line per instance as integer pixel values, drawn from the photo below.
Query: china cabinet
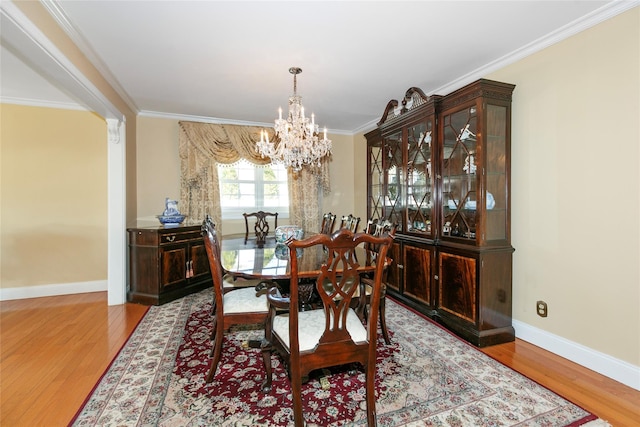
(439, 167)
(166, 263)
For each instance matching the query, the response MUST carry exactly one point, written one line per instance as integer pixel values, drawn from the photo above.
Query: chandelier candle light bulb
(297, 141)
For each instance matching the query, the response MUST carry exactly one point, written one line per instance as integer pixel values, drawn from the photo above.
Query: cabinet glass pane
(419, 178)
(393, 167)
(496, 198)
(459, 183)
(376, 176)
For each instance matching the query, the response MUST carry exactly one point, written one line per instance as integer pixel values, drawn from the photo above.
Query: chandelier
(297, 141)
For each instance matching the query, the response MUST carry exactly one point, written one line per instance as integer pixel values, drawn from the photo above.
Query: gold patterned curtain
(203, 145)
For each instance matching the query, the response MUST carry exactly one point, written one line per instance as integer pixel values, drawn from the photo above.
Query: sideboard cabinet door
(173, 261)
(474, 294)
(457, 286)
(199, 262)
(418, 261)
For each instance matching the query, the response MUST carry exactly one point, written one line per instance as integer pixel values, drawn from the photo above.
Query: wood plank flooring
(55, 349)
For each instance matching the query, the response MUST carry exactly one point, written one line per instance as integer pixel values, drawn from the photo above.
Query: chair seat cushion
(244, 300)
(311, 327)
(230, 281)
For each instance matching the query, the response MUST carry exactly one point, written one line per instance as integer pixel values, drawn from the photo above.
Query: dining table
(271, 260)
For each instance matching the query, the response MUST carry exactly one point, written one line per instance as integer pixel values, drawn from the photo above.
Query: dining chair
(328, 221)
(333, 334)
(231, 305)
(350, 222)
(378, 229)
(261, 226)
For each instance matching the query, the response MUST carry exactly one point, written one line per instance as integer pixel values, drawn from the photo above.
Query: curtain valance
(203, 145)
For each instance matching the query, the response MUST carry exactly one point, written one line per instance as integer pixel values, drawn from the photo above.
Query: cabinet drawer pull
(400, 266)
(171, 238)
(436, 277)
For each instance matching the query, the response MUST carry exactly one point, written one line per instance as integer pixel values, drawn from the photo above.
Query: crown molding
(29, 102)
(602, 14)
(44, 55)
(56, 10)
(219, 121)
(592, 19)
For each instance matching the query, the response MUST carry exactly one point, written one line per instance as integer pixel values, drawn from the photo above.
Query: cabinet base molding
(479, 338)
(165, 297)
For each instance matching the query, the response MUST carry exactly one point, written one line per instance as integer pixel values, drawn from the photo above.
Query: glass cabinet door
(376, 181)
(419, 183)
(459, 179)
(497, 189)
(393, 169)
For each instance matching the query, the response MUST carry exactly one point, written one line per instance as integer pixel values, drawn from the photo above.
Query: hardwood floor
(55, 349)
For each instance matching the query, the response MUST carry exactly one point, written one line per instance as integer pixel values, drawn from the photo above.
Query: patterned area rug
(426, 377)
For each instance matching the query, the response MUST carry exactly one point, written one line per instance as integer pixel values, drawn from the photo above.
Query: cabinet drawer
(179, 236)
(143, 237)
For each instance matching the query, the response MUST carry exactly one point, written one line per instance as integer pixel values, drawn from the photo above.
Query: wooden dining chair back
(378, 229)
(328, 222)
(350, 222)
(332, 334)
(261, 226)
(231, 306)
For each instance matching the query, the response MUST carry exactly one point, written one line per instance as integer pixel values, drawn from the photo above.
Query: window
(245, 187)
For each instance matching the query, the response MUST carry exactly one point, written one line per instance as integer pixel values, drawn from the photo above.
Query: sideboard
(166, 263)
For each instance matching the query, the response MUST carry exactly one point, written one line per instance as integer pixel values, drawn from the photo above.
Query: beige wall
(576, 188)
(53, 196)
(159, 173)
(158, 170)
(45, 23)
(341, 200)
(360, 176)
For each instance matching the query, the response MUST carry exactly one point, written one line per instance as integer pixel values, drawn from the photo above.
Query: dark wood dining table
(271, 262)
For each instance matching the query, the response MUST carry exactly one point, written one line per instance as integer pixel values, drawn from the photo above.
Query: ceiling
(228, 61)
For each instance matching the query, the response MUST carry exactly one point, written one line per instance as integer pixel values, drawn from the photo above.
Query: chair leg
(296, 395)
(214, 331)
(383, 321)
(371, 394)
(217, 352)
(266, 360)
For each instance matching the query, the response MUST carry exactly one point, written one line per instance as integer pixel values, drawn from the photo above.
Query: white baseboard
(52, 290)
(616, 369)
